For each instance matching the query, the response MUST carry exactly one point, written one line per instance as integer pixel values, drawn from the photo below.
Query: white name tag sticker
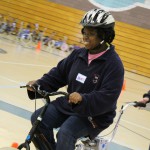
(81, 78)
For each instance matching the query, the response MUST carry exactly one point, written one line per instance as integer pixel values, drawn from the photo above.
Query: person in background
(25, 32)
(14, 27)
(49, 38)
(40, 35)
(94, 77)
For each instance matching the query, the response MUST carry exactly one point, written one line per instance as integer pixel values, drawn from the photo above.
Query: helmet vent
(98, 18)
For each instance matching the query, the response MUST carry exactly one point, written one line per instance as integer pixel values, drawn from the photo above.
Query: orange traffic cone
(14, 145)
(38, 47)
(124, 86)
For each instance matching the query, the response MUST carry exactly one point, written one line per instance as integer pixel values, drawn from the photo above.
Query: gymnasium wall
(132, 42)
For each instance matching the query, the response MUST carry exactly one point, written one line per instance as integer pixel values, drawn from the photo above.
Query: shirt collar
(84, 54)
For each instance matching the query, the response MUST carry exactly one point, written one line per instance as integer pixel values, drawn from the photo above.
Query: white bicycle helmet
(98, 18)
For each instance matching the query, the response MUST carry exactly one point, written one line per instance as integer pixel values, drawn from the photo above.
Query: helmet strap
(99, 48)
(102, 42)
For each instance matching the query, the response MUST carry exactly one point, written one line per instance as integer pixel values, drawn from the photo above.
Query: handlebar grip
(33, 86)
(139, 104)
(23, 86)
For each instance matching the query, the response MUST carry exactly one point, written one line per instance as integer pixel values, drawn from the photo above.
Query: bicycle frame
(33, 136)
(33, 130)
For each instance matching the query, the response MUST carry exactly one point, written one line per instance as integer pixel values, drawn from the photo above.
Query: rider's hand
(30, 85)
(144, 100)
(142, 103)
(75, 98)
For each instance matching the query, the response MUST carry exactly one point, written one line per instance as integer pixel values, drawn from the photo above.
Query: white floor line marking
(9, 86)
(10, 80)
(33, 65)
(135, 124)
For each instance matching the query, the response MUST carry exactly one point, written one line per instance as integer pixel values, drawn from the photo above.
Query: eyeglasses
(89, 34)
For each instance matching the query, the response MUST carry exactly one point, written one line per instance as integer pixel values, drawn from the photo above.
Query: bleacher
(132, 42)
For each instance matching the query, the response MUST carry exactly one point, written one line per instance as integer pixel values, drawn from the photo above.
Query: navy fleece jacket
(99, 83)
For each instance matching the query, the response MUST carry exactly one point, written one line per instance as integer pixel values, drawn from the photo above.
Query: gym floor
(20, 65)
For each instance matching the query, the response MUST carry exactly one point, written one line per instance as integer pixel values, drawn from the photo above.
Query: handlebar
(123, 108)
(135, 104)
(45, 93)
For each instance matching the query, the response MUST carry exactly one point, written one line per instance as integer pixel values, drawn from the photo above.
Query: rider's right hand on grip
(32, 86)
